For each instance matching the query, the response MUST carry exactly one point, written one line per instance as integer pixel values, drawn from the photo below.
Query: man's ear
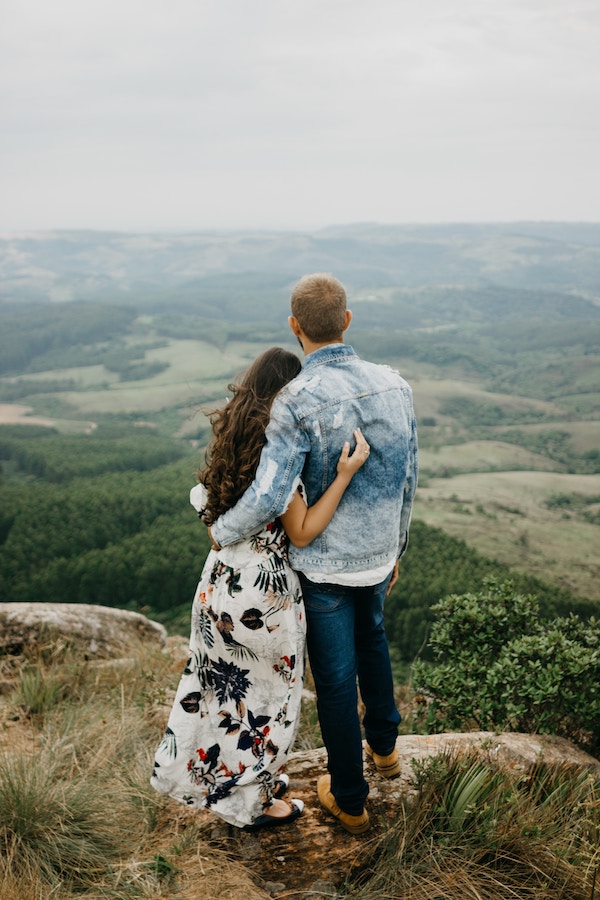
(347, 320)
(294, 325)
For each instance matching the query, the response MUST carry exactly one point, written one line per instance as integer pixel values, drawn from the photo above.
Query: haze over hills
(88, 265)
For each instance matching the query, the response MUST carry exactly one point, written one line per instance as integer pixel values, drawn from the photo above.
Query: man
(349, 569)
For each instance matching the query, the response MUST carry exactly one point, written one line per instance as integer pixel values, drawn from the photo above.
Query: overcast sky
(191, 114)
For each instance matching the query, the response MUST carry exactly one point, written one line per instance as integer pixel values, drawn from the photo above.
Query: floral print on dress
(235, 714)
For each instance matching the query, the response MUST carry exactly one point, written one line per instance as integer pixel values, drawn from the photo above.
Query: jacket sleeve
(410, 485)
(277, 477)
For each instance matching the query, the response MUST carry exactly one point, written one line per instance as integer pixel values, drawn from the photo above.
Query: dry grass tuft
(472, 832)
(78, 817)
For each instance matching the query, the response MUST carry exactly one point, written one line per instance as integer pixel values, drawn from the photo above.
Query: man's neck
(309, 346)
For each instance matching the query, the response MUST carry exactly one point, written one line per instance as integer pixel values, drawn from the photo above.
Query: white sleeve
(198, 497)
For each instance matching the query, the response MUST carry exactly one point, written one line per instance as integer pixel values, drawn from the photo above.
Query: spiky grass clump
(62, 828)
(472, 831)
(78, 817)
(37, 693)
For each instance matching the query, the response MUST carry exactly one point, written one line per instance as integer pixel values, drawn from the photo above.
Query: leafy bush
(500, 667)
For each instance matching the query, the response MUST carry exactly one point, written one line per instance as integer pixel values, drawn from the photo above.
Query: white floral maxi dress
(236, 711)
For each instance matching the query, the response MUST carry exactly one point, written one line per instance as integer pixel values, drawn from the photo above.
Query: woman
(236, 710)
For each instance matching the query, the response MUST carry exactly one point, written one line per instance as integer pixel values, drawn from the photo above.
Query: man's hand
(214, 545)
(393, 579)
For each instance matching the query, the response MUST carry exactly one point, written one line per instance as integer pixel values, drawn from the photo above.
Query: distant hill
(88, 265)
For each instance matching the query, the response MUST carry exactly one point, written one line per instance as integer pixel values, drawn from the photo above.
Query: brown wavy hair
(239, 430)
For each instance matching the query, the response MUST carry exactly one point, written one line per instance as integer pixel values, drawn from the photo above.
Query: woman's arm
(302, 523)
(280, 466)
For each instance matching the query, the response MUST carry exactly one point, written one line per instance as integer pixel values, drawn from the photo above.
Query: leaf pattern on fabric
(221, 791)
(233, 582)
(201, 767)
(272, 576)
(225, 624)
(229, 681)
(239, 651)
(198, 666)
(232, 577)
(252, 619)
(191, 702)
(272, 539)
(282, 718)
(235, 714)
(285, 667)
(253, 733)
(225, 628)
(202, 624)
(169, 743)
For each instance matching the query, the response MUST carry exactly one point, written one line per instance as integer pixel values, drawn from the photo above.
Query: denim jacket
(311, 417)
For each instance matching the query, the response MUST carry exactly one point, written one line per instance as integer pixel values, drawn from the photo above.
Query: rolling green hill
(112, 345)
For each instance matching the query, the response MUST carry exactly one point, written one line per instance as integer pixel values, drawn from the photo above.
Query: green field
(489, 492)
(195, 374)
(543, 523)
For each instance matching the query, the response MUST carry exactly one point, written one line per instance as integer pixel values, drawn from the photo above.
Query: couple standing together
(306, 540)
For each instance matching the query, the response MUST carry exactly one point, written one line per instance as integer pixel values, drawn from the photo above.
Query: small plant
(162, 869)
(432, 770)
(38, 692)
(500, 667)
(471, 830)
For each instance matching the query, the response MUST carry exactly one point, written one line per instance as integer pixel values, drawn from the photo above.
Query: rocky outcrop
(100, 632)
(312, 857)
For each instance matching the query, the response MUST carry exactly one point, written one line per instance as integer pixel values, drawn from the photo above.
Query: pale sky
(193, 114)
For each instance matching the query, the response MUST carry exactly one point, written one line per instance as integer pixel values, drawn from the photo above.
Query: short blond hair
(319, 303)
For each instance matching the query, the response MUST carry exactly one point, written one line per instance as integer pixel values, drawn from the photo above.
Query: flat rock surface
(313, 856)
(103, 632)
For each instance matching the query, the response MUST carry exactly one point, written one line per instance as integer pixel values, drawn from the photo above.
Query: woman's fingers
(362, 445)
(345, 452)
(351, 462)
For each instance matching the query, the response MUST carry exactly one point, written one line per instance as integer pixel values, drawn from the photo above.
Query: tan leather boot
(388, 766)
(353, 824)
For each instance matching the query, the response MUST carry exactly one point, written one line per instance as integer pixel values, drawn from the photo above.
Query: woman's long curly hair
(239, 430)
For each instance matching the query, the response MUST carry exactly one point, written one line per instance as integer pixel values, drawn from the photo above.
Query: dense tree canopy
(126, 535)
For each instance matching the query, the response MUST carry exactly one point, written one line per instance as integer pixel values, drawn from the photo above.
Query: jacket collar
(331, 352)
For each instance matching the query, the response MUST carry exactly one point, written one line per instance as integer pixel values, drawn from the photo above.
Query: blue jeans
(346, 638)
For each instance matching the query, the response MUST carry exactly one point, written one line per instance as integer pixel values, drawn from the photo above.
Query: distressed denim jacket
(311, 417)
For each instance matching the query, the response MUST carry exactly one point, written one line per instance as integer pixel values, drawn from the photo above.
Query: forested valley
(103, 384)
(129, 538)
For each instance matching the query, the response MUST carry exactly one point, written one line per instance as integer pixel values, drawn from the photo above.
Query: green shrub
(549, 681)
(500, 667)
